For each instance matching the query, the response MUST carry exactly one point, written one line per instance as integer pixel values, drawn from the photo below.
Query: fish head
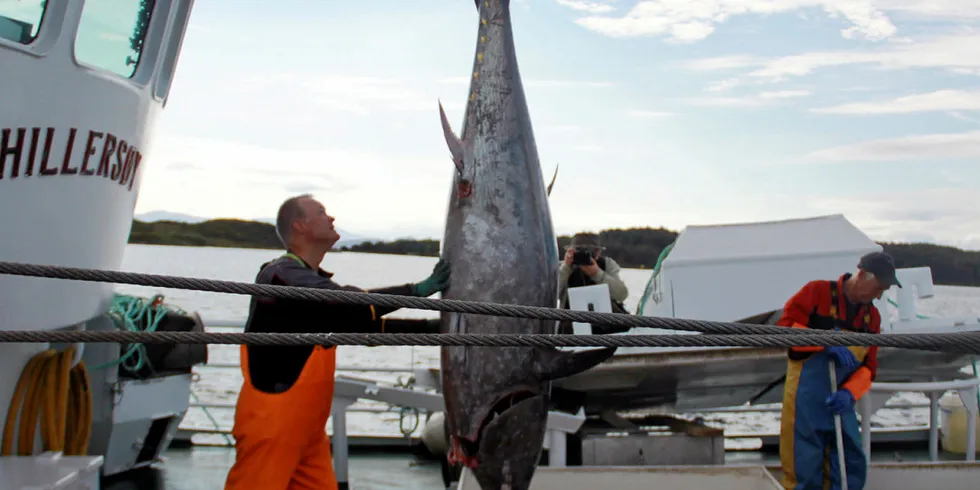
(507, 452)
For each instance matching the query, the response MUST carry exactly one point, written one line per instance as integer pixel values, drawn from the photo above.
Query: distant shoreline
(633, 248)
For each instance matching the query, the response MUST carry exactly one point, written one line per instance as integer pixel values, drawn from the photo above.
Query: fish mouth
(467, 449)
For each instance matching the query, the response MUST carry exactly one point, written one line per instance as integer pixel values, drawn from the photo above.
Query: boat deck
(205, 467)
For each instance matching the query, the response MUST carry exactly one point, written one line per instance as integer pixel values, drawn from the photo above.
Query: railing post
(933, 426)
(339, 440)
(971, 424)
(556, 449)
(866, 426)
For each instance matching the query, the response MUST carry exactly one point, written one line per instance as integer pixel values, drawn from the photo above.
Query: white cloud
(210, 177)
(725, 101)
(940, 100)
(590, 7)
(563, 128)
(588, 148)
(933, 9)
(690, 21)
(921, 147)
(955, 52)
(644, 114)
(784, 94)
(947, 216)
(720, 63)
(722, 85)
(356, 94)
(760, 99)
(565, 83)
(963, 117)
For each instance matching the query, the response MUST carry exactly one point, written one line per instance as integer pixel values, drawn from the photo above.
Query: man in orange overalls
(285, 400)
(807, 434)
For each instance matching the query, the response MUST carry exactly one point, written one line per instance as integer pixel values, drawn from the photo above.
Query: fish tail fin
(552, 364)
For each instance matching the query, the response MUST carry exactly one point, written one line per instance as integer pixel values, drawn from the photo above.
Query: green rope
(135, 314)
(656, 271)
(893, 303)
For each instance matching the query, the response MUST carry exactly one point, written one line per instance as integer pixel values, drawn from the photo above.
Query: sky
(660, 112)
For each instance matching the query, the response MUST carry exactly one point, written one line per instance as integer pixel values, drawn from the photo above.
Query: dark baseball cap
(882, 266)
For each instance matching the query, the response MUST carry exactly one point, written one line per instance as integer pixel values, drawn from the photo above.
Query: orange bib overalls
(280, 439)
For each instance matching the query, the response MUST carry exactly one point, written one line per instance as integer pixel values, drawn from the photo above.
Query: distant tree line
(425, 248)
(636, 248)
(214, 233)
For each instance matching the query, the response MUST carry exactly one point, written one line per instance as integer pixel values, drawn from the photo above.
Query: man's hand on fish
(437, 282)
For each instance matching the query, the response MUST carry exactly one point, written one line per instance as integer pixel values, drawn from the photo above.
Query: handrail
(758, 409)
(231, 406)
(933, 390)
(363, 369)
(929, 386)
(224, 323)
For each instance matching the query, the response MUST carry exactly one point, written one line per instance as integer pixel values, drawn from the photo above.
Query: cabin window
(20, 21)
(111, 34)
(172, 51)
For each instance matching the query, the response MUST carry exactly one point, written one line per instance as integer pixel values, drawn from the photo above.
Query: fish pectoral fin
(551, 363)
(455, 145)
(552, 184)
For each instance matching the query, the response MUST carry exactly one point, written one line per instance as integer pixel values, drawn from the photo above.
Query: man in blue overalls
(807, 438)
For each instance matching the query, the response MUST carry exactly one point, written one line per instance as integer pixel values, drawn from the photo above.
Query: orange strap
(859, 383)
(800, 348)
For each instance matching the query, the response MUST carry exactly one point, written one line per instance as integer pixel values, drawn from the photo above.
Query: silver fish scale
(501, 245)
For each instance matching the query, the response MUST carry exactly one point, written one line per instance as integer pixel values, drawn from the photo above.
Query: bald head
(291, 210)
(303, 224)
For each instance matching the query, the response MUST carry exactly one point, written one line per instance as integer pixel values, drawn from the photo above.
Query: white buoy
(434, 434)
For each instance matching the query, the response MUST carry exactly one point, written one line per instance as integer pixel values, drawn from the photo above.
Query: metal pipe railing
(233, 324)
(933, 390)
(231, 406)
(754, 409)
(229, 365)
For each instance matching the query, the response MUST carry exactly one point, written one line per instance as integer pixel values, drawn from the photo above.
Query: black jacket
(275, 368)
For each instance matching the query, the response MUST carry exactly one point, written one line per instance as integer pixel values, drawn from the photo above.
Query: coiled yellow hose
(51, 389)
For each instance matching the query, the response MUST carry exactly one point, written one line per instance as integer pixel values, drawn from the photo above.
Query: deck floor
(205, 468)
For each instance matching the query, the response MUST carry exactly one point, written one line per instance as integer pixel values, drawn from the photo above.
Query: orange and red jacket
(810, 307)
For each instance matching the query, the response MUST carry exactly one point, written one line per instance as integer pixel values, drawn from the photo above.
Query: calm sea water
(221, 385)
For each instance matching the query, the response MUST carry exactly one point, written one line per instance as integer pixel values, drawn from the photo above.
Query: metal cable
(390, 300)
(962, 342)
(722, 333)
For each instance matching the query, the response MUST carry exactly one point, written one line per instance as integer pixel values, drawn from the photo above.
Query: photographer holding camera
(584, 265)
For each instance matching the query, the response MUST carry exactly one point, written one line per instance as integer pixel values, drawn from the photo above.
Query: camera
(582, 257)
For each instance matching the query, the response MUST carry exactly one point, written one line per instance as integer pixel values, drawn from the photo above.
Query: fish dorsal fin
(551, 364)
(455, 145)
(552, 184)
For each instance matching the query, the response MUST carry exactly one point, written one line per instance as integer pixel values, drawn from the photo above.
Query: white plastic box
(50, 472)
